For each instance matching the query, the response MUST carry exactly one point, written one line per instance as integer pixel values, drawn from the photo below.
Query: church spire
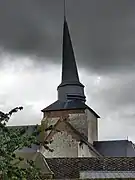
(69, 68)
(70, 86)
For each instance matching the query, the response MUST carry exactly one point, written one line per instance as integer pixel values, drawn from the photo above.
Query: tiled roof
(71, 167)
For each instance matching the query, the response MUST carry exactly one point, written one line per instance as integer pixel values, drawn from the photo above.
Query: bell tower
(81, 121)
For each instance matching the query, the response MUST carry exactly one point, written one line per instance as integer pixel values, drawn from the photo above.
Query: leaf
(12, 139)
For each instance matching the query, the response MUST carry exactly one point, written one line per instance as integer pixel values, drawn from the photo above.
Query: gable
(58, 133)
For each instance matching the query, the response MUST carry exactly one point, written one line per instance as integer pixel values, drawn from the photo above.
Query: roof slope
(116, 148)
(39, 161)
(71, 167)
(68, 105)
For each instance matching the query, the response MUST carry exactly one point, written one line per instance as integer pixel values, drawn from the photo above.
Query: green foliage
(12, 139)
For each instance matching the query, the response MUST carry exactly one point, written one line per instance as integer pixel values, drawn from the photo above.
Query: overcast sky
(103, 36)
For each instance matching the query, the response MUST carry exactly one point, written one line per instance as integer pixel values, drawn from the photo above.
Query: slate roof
(69, 168)
(69, 68)
(116, 148)
(68, 105)
(70, 91)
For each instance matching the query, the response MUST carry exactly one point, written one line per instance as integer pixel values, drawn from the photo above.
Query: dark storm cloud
(103, 32)
(25, 27)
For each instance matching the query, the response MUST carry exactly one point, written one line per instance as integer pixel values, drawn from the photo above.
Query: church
(75, 124)
(71, 131)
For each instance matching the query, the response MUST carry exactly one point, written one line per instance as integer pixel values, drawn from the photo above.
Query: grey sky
(103, 35)
(103, 32)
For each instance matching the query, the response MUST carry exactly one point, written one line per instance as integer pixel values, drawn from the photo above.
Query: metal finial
(64, 9)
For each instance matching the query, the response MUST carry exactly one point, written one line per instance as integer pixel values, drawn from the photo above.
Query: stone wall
(92, 126)
(64, 145)
(80, 123)
(84, 151)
